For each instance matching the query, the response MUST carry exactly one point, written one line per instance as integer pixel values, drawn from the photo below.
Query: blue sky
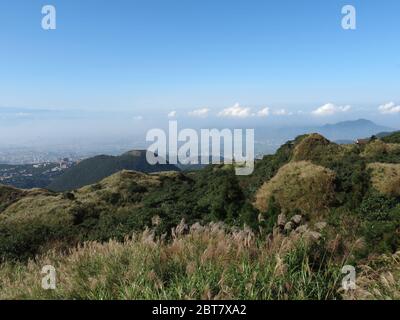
(141, 60)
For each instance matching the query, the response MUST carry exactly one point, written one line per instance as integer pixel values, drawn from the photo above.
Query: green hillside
(94, 169)
(8, 195)
(392, 138)
(309, 209)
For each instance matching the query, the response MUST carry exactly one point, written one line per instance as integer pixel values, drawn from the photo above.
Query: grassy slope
(128, 201)
(392, 138)
(41, 217)
(94, 169)
(9, 195)
(211, 262)
(119, 205)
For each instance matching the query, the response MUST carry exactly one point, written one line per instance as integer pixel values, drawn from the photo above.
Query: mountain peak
(358, 122)
(352, 129)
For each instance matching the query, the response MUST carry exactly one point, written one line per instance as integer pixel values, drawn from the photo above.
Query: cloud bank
(389, 108)
(330, 109)
(244, 112)
(235, 112)
(200, 113)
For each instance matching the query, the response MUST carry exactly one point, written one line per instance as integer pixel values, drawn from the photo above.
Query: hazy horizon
(110, 72)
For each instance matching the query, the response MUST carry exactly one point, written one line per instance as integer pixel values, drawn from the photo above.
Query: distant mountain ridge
(94, 169)
(351, 130)
(343, 132)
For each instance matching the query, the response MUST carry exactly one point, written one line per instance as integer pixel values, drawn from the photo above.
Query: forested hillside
(94, 169)
(319, 204)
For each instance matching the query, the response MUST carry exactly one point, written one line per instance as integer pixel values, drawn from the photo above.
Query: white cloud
(23, 114)
(201, 113)
(263, 112)
(242, 112)
(137, 118)
(330, 109)
(282, 112)
(236, 112)
(389, 108)
(172, 114)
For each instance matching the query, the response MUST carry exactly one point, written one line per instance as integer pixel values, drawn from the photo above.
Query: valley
(28, 176)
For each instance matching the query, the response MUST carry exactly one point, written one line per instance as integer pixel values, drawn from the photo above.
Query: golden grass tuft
(378, 148)
(378, 280)
(121, 180)
(50, 207)
(386, 178)
(374, 148)
(200, 262)
(315, 147)
(299, 185)
(393, 147)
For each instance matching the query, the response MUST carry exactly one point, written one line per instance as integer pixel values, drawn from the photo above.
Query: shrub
(386, 178)
(299, 185)
(381, 223)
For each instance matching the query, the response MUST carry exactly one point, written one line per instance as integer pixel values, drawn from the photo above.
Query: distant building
(64, 163)
(362, 141)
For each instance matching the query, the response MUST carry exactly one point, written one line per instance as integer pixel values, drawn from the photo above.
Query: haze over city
(185, 152)
(109, 73)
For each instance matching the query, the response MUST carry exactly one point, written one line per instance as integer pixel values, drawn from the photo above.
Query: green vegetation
(27, 176)
(386, 178)
(287, 229)
(266, 168)
(119, 205)
(380, 226)
(211, 262)
(8, 195)
(379, 151)
(94, 169)
(392, 138)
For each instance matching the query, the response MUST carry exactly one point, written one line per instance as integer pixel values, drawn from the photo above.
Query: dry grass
(120, 181)
(207, 262)
(380, 280)
(316, 148)
(299, 185)
(201, 262)
(41, 205)
(377, 148)
(386, 178)
(393, 147)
